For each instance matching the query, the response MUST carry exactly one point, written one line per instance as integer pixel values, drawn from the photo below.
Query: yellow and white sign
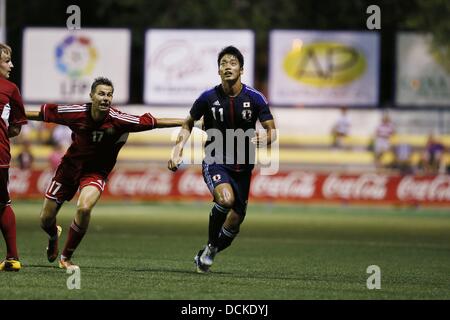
(324, 68)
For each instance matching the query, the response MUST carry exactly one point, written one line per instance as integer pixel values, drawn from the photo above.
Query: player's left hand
(259, 139)
(175, 160)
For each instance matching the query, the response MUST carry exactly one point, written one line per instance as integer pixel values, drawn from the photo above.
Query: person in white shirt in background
(341, 129)
(382, 141)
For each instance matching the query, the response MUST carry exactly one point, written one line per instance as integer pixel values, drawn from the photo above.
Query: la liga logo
(76, 56)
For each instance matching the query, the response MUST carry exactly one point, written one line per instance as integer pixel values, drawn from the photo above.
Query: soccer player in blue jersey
(231, 110)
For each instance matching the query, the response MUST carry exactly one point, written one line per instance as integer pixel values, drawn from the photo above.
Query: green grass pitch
(146, 250)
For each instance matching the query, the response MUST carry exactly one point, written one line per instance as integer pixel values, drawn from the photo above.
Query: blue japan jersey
(234, 118)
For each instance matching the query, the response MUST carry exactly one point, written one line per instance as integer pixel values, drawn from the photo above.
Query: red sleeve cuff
(20, 122)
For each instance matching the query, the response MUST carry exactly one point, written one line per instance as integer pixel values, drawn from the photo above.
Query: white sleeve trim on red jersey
(124, 117)
(153, 119)
(73, 108)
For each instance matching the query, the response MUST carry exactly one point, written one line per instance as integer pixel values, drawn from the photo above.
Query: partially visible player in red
(12, 118)
(98, 132)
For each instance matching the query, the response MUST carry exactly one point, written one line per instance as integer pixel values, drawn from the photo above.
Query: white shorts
(381, 145)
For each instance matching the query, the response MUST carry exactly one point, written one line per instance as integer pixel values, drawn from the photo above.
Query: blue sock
(216, 219)
(226, 237)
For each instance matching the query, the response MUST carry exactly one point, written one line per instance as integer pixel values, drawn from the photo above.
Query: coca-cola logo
(365, 186)
(192, 183)
(437, 189)
(292, 185)
(151, 182)
(19, 181)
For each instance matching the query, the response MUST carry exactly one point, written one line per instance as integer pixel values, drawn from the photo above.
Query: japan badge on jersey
(247, 114)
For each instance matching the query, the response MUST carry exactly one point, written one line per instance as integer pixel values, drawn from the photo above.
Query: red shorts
(4, 193)
(61, 191)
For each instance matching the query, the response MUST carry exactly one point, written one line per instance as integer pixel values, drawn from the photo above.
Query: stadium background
(325, 217)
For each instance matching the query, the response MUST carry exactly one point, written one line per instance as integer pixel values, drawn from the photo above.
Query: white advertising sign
(423, 71)
(60, 65)
(181, 64)
(319, 68)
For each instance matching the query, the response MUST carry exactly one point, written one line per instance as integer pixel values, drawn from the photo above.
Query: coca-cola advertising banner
(285, 186)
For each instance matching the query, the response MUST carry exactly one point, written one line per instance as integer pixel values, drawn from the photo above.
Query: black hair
(233, 51)
(101, 81)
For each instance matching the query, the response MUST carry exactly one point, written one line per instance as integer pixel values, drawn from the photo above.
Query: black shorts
(216, 174)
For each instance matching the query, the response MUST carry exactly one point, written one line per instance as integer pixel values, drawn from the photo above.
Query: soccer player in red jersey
(98, 132)
(12, 118)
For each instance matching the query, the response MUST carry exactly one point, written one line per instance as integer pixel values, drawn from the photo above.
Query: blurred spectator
(432, 160)
(341, 129)
(62, 136)
(25, 157)
(382, 144)
(402, 161)
(55, 157)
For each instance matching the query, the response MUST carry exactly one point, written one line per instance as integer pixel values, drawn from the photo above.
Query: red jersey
(12, 112)
(95, 145)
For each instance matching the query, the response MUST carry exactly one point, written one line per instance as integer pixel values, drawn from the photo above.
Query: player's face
(102, 97)
(229, 68)
(5, 65)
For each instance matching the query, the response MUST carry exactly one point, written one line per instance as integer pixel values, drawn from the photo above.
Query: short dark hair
(233, 51)
(101, 81)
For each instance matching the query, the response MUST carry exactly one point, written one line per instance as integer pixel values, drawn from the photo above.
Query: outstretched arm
(34, 115)
(183, 136)
(168, 122)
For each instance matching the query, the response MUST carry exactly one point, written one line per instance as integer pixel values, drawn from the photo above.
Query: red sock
(8, 227)
(74, 238)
